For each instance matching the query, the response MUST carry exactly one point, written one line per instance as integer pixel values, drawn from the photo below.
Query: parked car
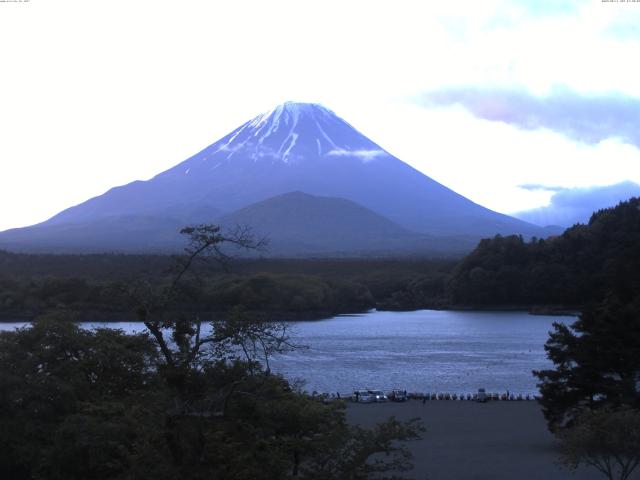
(362, 396)
(399, 396)
(378, 395)
(482, 395)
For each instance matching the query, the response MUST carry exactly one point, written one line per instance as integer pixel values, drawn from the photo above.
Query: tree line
(577, 268)
(591, 397)
(289, 289)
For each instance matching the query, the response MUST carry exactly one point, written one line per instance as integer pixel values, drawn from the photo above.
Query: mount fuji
(296, 147)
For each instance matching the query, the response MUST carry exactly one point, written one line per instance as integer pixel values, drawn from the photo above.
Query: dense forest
(574, 269)
(101, 286)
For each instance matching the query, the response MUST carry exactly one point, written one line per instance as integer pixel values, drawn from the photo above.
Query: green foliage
(606, 439)
(293, 294)
(99, 404)
(55, 377)
(576, 268)
(596, 362)
(99, 286)
(354, 453)
(424, 291)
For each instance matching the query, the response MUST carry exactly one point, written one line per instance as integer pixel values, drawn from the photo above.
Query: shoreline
(290, 316)
(124, 316)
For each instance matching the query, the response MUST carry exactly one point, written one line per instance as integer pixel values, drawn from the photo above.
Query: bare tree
(255, 340)
(181, 339)
(189, 353)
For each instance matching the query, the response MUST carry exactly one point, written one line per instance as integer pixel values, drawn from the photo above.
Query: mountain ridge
(293, 147)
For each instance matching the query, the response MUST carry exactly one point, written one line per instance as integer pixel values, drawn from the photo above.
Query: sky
(517, 105)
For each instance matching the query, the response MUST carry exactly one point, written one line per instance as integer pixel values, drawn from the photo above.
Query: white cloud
(489, 161)
(569, 206)
(364, 155)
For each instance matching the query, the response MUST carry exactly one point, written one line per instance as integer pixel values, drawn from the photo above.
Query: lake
(424, 351)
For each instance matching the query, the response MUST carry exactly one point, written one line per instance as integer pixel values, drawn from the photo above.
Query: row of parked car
(483, 396)
(371, 396)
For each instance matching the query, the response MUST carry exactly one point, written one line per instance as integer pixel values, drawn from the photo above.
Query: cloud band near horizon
(585, 118)
(568, 206)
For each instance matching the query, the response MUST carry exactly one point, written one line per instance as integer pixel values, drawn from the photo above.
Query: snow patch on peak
(326, 137)
(302, 106)
(290, 133)
(285, 155)
(298, 109)
(284, 116)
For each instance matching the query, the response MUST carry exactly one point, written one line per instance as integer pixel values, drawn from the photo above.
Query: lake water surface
(424, 351)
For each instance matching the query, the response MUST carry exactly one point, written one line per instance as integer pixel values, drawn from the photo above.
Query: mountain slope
(295, 147)
(126, 233)
(302, 147)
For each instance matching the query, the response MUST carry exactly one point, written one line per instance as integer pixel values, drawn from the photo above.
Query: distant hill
(297, 223)
(293, 148)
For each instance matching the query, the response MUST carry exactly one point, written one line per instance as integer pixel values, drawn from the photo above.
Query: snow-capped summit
(289, 133)
(295, 147)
